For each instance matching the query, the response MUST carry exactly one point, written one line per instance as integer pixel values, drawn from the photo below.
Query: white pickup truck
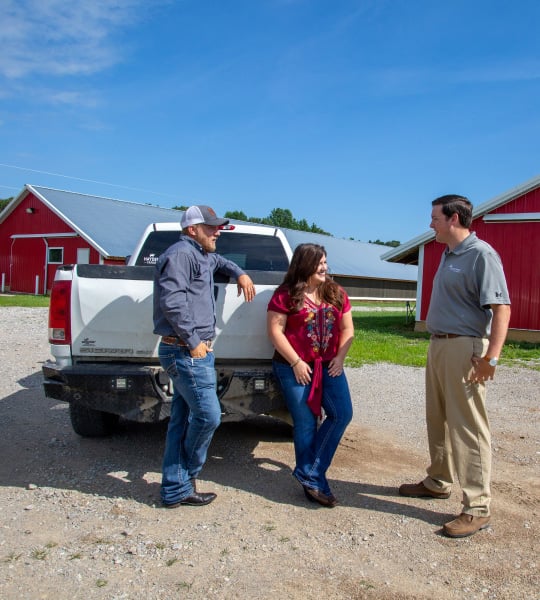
(105, 353)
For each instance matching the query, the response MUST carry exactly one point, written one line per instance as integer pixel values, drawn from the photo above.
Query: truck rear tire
(88, 422)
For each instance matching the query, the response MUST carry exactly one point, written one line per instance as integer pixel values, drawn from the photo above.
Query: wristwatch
(492, 360)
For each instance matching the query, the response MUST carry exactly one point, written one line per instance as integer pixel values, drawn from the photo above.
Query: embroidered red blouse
(314, 333)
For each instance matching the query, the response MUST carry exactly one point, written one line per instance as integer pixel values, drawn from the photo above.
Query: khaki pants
(457, 423)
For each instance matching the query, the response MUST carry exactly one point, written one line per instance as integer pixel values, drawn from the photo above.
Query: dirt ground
(80, 518)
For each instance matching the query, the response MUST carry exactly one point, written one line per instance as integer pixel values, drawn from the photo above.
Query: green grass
(521, 354)
(24, 300)
(387, 337)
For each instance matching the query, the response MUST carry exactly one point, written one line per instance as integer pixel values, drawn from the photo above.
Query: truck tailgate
(111, 315)
(111, 312)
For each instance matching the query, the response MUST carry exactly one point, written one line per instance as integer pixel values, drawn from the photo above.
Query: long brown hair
(304, 264)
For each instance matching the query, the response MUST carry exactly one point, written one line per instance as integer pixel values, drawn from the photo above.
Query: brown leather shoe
(465, 525)
(315, 496)
(419, 490)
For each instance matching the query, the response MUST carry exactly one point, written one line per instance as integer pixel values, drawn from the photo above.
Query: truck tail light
(59, 313)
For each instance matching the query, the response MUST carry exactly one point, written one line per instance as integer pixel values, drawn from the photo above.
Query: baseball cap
(201, 214)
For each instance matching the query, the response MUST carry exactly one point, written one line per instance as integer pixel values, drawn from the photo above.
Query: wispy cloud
(89, 100)
(61, 37)
(50, 48)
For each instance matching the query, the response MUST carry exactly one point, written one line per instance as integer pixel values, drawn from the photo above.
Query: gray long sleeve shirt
(184, 303)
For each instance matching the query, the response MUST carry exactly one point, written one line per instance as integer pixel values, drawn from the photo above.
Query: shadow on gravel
(39, 448)
(365, 496)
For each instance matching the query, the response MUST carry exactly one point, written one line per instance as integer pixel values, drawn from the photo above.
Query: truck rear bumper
(245, 391)
(137, 393)
(143, 393)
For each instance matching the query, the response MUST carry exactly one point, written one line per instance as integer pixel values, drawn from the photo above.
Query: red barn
(43, 228)
(511, 224)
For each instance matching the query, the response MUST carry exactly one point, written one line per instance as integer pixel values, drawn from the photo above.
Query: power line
(125, 187)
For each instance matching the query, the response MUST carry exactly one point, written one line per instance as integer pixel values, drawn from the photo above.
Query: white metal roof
(113, 227)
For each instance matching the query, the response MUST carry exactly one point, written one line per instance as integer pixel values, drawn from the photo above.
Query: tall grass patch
(386, 337)
(389, 337)
(28, 300)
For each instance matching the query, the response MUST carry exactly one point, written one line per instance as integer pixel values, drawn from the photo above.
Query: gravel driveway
(80, 518)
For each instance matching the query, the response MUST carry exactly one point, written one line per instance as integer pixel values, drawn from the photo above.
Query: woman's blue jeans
(195, 415)
(314, 446)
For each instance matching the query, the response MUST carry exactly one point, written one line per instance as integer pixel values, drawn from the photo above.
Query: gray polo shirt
(469, 280)
(184, 303)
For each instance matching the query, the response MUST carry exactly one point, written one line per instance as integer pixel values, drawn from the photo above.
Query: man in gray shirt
(184, 315)
(468, 320)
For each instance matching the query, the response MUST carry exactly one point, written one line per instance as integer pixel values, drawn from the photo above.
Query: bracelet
(295, 362)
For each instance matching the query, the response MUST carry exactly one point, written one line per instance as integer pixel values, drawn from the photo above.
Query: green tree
(4, 203)
(315, 229)
(180, 207)
(236, 214)
(282, 217)
(278, 217)
(303, 225)
(392, 243)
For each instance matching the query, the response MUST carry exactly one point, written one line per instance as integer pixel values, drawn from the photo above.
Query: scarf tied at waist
(314, 399)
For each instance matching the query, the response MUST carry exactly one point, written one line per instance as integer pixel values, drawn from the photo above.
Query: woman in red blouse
(310, 325)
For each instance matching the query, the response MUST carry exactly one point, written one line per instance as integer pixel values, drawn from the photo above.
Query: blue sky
(352, 114)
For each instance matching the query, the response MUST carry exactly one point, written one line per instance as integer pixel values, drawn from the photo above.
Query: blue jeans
(195, 415)
(314, 446)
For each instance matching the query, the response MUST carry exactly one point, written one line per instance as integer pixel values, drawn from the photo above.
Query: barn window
(56, 256)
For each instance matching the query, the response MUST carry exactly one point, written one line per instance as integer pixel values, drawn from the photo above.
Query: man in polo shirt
(184, 315)
(468, 320)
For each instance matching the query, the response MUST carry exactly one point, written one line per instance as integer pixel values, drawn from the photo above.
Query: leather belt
(173, 340)
(445, 336)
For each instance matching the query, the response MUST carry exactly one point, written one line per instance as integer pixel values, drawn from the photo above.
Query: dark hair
(304, 263)
(452, 204)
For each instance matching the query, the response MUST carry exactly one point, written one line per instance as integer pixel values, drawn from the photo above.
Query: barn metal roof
(113, 227)
(349, 257)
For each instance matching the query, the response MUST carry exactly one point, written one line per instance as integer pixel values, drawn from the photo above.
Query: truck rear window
(250, 252)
